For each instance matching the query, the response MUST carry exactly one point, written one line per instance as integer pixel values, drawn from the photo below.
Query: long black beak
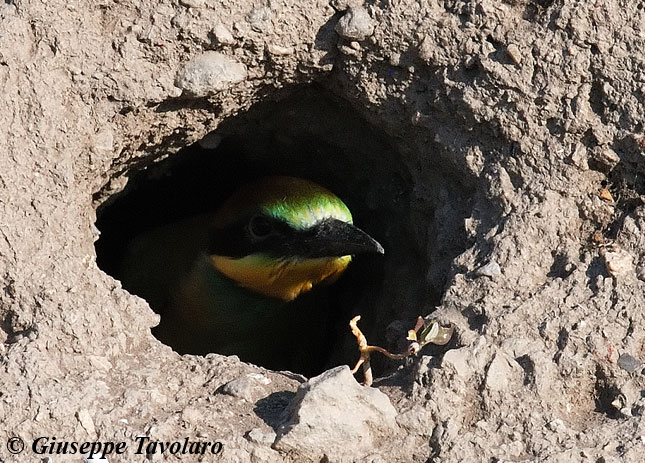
(333, 237)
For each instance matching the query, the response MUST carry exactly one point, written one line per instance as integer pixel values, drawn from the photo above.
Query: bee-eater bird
(236, 281)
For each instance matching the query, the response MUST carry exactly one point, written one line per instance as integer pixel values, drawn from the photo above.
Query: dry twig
(422, 334)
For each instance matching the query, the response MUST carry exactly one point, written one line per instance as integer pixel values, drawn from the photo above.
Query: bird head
(281, 236)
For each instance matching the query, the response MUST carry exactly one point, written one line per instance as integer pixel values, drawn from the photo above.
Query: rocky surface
(527, 109)
(331, 412)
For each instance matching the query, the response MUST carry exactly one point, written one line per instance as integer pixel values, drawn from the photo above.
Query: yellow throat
(282, 279)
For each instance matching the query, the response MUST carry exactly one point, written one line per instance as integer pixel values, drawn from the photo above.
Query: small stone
(459, 360)
(193, 3)
(87, 423)
(556, 425)
(191, 415)
(260, 19)
(347, 50)
(579, 157)
(416, 417)
(629, 363)
(426, 48)
(242, 388)
(605, 195)
(331, 410)
(262, 455)
(209, 73)
(356, 24)
(278, 50)
(513, 51)
(103, 141)
(605, 157)
(626, 411)
(259, 378)
(618, 262)
(503, 373)
(618, 403)
(258, 436)
(222, 35)
(491, 270)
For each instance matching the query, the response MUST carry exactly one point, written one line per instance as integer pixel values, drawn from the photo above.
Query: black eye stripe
(242, 238)
(260, 233)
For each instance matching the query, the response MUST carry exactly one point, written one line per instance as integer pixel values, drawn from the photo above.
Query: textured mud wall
(533, 108)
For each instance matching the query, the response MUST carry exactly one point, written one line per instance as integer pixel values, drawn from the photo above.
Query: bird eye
(260, 226)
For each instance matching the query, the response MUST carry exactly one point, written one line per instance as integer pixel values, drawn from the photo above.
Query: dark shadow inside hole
(606, 393)
(312, 135)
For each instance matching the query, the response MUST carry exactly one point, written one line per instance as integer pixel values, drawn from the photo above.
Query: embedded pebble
(605, 156)
(209, 73)
(629, 363)
(356, 24)
(248, 387)
(415, 417)
(618, 262)
(258, 436)
(103, 141)
(190, 415)
(579, 157)
(503, 373)
(222, 35)
(242, 388)
(426, 48)
(605, 195)
(556, 425)
(459, 359)
(278, 50)
(260, 19)
(84, 418)
(491, 270)
(259, 378)
(347, 50)
(193, 3)
(513, 51)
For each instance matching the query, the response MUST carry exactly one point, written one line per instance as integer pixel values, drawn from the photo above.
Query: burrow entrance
(313, 135)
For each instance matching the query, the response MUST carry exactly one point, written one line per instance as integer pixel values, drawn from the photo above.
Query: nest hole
(316, 136)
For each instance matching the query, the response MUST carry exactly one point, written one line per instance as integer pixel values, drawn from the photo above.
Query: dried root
(423, 333)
